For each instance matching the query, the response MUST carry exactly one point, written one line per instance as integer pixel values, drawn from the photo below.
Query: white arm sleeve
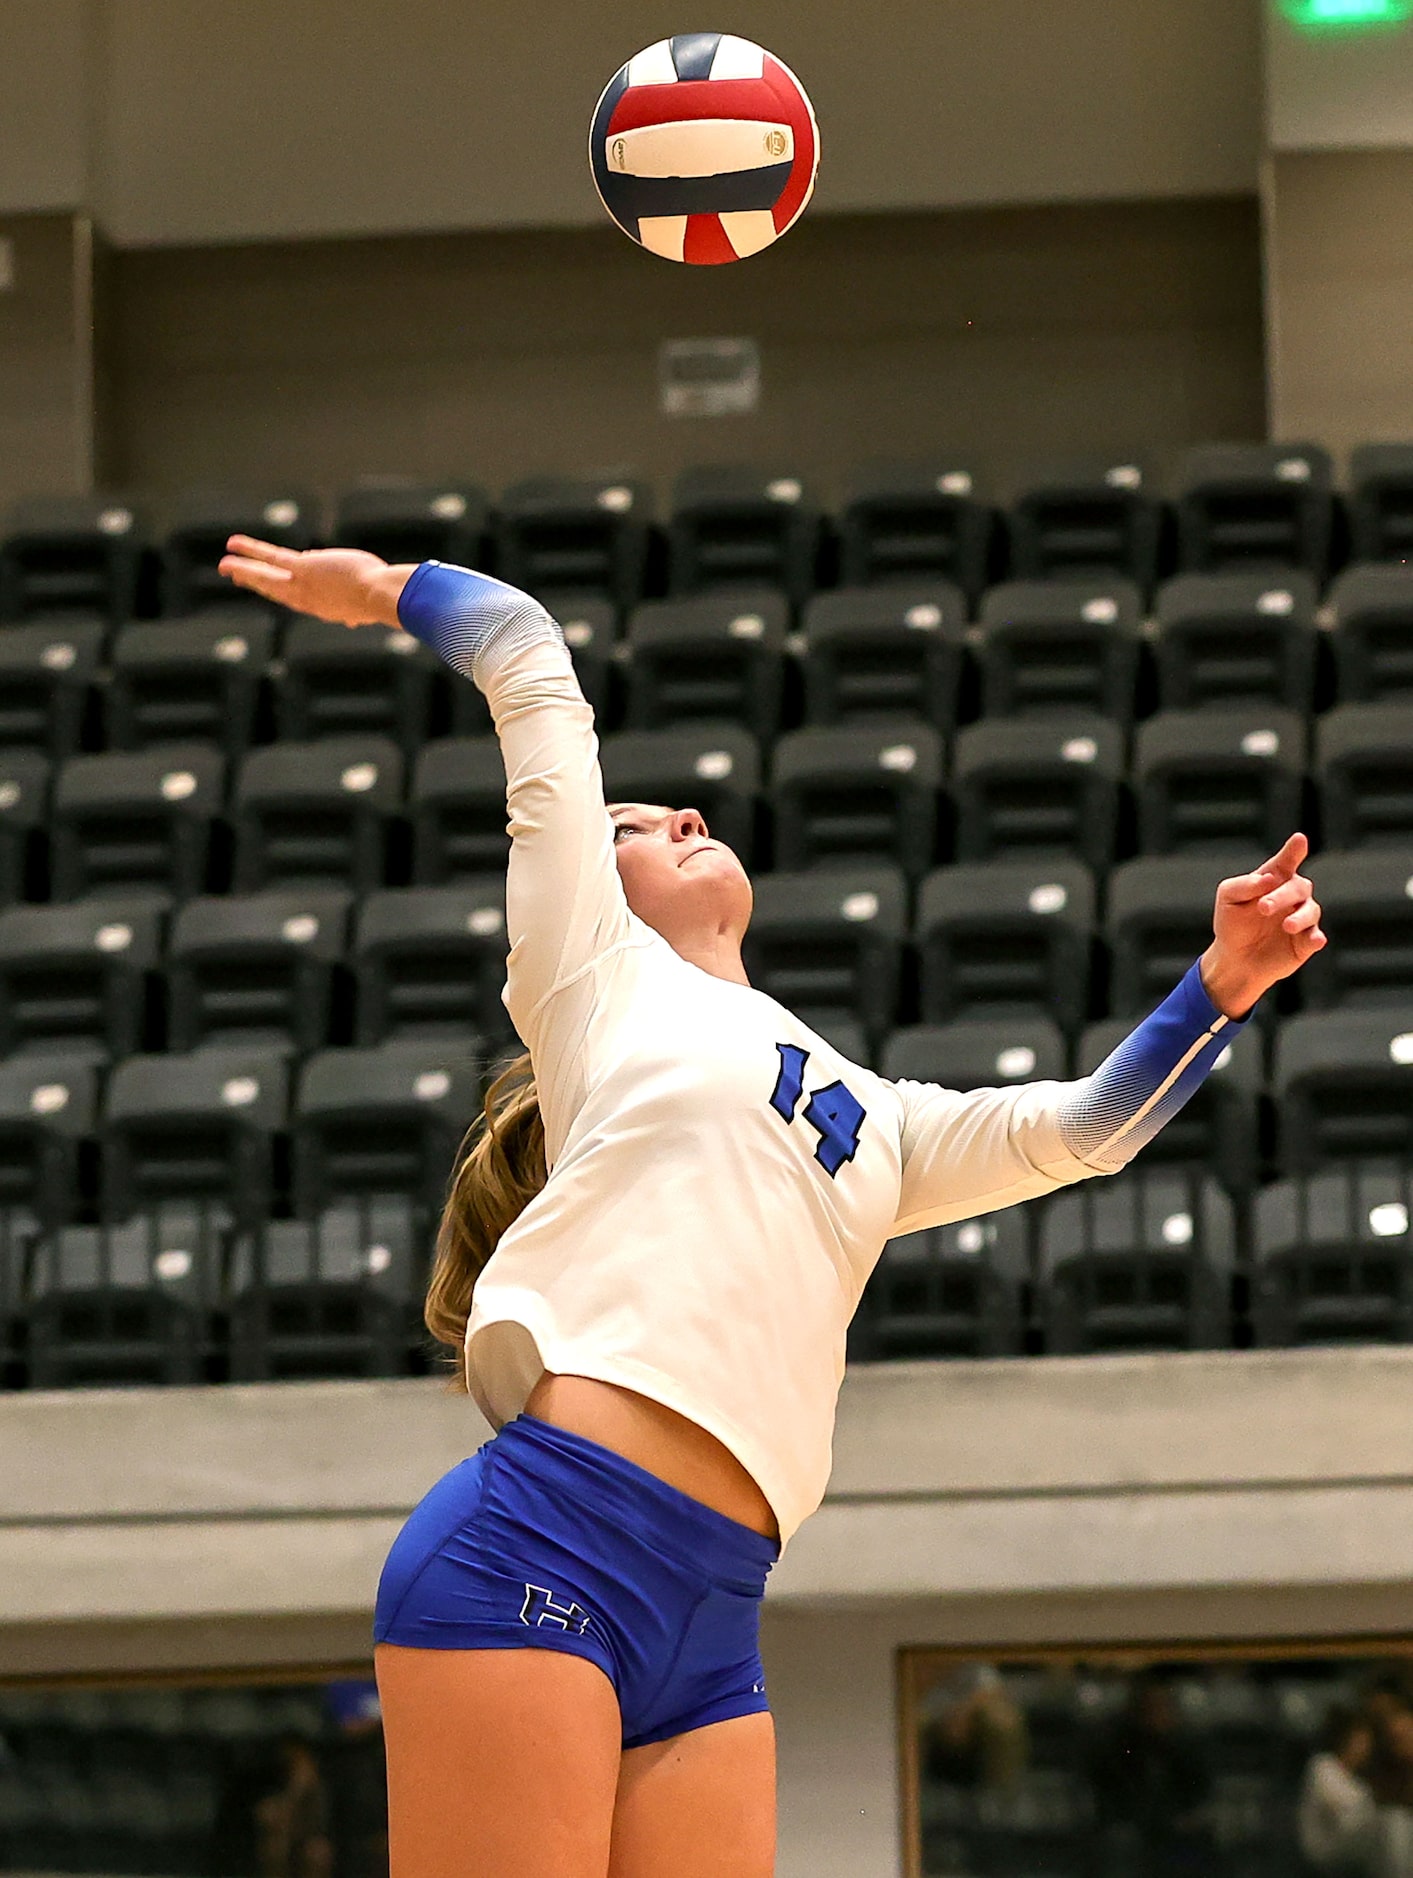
(565, 908)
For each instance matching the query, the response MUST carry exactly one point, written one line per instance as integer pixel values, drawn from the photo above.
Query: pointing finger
(1289, 859)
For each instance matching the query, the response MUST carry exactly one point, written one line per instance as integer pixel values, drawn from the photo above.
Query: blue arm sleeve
(469, 619)
(1119, 1109)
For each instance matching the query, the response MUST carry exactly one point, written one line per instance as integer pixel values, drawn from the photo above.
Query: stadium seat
(738, 526)
(1218, 779)
(1006, 939)
(1333, 1262)
(47, 672)
(1343, 1082)
(48, 1113)
(1372, 610)
(712, 769)
(178, 681)
(135, 820)
(404, 522)
(375, 682)
(717, 658)
(856, 794)
(1367, 902)
(382, 1121)
(870, 654)
(1219, 1127)
(828, 945)
(202, 522)
(66, 552)
(256, 969)
(1088, 523)
(198, 1128)
(126, 1303)
(24, 810)
(1364, 763)
(1141, 1261)
(1160, 922)
(1381, 502)
(430, 962)
(948, 1291)
(1236, 639)
(586, 538)
(78, 980)
(977, 1053)
(1255, 506)
(1063, 645)
(316, 813)
(1040, 787)
(458, 810)
(331, 1296)
(915, 521)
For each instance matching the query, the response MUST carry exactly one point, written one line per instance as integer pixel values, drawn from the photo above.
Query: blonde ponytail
(500, 1169)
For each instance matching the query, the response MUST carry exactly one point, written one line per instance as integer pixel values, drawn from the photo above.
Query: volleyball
(704, 148)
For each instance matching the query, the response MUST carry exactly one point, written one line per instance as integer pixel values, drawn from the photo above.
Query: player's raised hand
(1267, 924)
(341, 584)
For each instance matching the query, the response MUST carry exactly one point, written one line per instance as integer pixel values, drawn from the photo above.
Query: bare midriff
(657, 1439)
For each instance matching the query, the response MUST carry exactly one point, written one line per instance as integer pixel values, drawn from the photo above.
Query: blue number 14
(833, 1112)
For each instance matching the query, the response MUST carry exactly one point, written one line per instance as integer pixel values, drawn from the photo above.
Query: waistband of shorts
(697, 1536)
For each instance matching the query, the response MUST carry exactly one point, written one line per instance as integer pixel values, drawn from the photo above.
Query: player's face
(676, 878)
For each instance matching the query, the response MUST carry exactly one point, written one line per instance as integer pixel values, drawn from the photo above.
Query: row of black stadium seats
(1233, 506)
(105, 976)
(238, 676)
(1153, 1258)
(177, 820)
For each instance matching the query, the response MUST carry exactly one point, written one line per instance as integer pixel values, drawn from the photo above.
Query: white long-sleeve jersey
(721, 1179)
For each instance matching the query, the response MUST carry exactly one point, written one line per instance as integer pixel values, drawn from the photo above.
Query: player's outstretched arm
(988, 1148)
(564, 902)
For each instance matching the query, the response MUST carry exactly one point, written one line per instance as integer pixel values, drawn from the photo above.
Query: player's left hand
(1267, 924)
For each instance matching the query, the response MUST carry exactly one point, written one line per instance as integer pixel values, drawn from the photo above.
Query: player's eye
(624, 828)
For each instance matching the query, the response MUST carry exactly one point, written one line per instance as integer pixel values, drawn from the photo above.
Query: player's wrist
(1228, 984)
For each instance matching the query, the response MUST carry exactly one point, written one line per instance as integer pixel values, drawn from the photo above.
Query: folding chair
(24, 809)
(1047, 787)
(1255, 506)
(1141, 1261)
(47, 672)
(1236, 639)
(404, 522)
(70, 552)
(1372, 609)
(1364, 762)
(828, 945)
(1332, 1257)
(201, 523)
(1343, 1082)
(713, 769)
(1060, 646)
(258, 968)
(978, 1053)
(317, 813)
(430, 962)
(948, 1291)
(717, 658)
(183, 681)
(1366, 899)
(79, 980)
(458, 809)
(870, 654)
(376, 682)
(916, 521)
(737, 526)
(1381, 501)
(135, 820)
(857, 794)
(1006, 939)
(580, 536)
(1160, 921)
(1217, 779)
(1087, 523)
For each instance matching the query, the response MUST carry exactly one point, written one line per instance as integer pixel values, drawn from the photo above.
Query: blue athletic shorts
(544, 1540)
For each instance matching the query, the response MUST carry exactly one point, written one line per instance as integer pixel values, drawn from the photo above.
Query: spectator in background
(292, 1820)
(355, 1779)
(1151, 1783)
(1337, 1819)
(973, 1735)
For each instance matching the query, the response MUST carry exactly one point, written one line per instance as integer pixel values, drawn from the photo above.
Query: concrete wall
(46, 360)
(257, 120)
(1347, 90)
(1001, 337)
(1202, 1498)
(1339, 238)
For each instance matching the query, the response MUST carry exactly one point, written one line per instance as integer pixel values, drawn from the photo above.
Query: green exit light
(1323, 16)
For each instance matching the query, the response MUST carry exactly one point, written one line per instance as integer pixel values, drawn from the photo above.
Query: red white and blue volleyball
(704, 148)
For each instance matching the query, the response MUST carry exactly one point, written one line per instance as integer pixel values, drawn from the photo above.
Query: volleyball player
(567, 1626)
